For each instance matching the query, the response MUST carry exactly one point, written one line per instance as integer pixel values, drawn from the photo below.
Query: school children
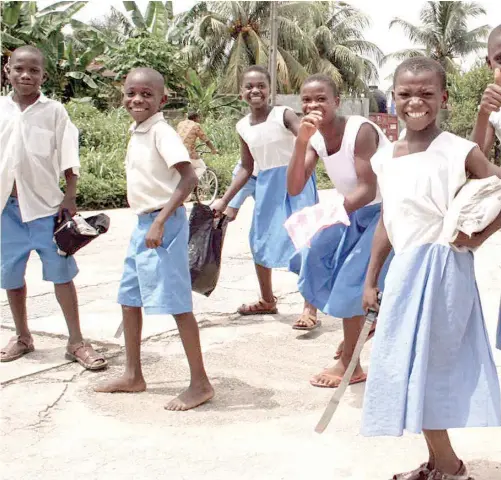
(267, 138)
(332, 269)
(156, 273)
(39, 144)
(431, 365)
(489, 116)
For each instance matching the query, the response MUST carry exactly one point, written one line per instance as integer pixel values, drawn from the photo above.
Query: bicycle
(207, 188)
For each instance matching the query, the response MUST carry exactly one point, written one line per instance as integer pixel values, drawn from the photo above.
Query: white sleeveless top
(340, 166)
(271, 143)
(418, 189)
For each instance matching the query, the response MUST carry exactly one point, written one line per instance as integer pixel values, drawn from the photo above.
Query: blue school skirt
(332, 269)
(270, 243)
(431, 365)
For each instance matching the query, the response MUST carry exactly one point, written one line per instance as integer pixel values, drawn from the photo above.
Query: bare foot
(331, 377)
(124, 384)
(194, 396)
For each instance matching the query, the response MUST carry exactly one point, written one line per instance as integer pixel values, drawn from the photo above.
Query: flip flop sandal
(420, 473)
(360, 379)
(307, 318)
(85, 355)
(461, 474)
(16, 348)
(259, 308)
(338, 354)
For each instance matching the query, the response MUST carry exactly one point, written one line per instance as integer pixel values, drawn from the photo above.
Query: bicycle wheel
(207, 187)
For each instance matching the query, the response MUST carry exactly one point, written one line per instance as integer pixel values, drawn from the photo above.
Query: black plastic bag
(205, 248)
(73, 233)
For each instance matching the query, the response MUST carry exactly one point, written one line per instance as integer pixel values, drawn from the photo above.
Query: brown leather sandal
(420, 473)
(461, 474)
(85, 355)
(307, 321)
(16, 348)
(261, 307)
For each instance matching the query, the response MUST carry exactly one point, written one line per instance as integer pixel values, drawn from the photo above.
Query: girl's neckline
(264, 121)
(346, 120)
(416, 153)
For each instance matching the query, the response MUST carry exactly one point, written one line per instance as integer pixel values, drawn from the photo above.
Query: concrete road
(259, 425)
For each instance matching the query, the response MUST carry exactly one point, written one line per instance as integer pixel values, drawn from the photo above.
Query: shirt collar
(42, 98)
(147, 124)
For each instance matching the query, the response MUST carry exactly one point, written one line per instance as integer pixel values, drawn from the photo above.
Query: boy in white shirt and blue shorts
(156, 274)
(39, 144)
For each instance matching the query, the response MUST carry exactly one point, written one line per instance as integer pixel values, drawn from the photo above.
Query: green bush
(103, 146)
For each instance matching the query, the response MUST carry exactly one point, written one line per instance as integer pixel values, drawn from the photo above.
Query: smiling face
(143, 95)
(319, 96)
(255, 89)
(418, 97)
(26, 72)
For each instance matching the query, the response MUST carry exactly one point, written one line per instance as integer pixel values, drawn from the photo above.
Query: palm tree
(226, 37)
(343, 53)
(443, 33)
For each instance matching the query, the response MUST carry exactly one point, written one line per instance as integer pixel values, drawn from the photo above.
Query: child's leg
(200, 389)
(66, 295)
(132, 379)
(23, 342)
(265, 283)
(17, 303)
(331, 377)
(442, 454)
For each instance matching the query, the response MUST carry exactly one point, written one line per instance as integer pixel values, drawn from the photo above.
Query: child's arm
(304, 157)
(185, 186)
(291, 121)
(366, 145)
(381, 248)
(67, 150)
(70, 195)
(240, 179)
(478, 165)
(483, 132)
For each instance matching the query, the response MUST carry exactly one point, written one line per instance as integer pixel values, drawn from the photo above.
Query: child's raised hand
(309, 125)
(491, 99)
(155, 235)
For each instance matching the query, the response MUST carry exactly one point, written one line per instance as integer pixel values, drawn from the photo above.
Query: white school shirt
(154, 148)
(271, 143)
(418, 189)
(340, 166)
(495, 121)
(36, 147)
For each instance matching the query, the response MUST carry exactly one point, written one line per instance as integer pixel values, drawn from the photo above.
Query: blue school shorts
(158, 279)
(248, 190)
(19, 239)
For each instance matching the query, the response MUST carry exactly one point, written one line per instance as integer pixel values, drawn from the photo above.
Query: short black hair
(30, 49)
(192, 115)
(419, 64)
(258, 69)
(320, 77)
(496, 31)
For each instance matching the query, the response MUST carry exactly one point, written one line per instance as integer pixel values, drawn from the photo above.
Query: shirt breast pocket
(40, 141)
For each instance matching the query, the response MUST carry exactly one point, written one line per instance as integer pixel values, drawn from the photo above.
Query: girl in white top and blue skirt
(267, 137)
(332, 269)
(431, 365)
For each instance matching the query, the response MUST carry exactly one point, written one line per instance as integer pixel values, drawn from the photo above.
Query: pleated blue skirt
(498, 336)
(332, 269)
(270, 243)
(431, 365)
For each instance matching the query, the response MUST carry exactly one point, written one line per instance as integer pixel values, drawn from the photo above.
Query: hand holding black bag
(205, 248)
